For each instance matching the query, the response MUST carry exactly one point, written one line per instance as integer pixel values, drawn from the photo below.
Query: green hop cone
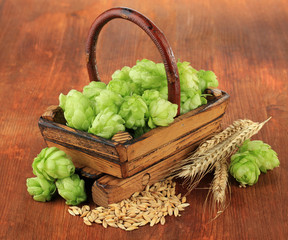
(106, 124)
(188, 77)
(133, 111)
(52, 163)
(121, 87)
(163, 92)
(78, 110)
(148, 74)
(244, 168)
(161, 113)
(62, 101)
(122, 74)
(191, 101)
(150, 95)
(41, 189)
(72, 189)
(207, 79)
(108, 100)
(93, 89)
(266, 158)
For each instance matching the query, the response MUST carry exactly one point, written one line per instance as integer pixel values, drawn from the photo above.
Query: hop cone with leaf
(148, 75)
(150, 95)
(207, 79)
(93, 89)
(108, 99)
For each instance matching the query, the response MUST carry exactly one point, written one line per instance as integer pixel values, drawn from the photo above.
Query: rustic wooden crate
(123, 160)
(126, 166)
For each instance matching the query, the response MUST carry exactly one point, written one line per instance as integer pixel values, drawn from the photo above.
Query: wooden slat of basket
(93, 162)
(61, 133)
(173, 146)
(181, 126)
(166, 141)
(54, 113)
(109, 189)
(87, 171)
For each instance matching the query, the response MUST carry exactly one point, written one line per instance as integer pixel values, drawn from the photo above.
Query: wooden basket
(130, 164)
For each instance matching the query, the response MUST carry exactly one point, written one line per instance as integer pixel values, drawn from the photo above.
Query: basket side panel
(168, 140)
(85, 142)
(84, 150)
(82, 159)
(181, 126)
(184, 143)
(109, 189)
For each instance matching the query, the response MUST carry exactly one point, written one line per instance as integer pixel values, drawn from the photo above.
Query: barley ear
(195, 167)
(219, 194)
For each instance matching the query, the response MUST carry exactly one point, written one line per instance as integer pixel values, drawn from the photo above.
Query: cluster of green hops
(54, 169)
(252, 158)
(136, 99)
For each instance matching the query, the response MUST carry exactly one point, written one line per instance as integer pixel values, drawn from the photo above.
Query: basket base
(108, 189)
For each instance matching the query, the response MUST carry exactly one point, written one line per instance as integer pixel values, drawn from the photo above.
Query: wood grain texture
(181, 126)
(42, 47)
(184, 143)
(109, 189)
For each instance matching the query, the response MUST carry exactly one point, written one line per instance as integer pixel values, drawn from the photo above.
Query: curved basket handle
(154, 33)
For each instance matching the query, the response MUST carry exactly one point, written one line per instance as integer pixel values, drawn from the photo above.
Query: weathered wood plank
(184, 142)
(87, 160)
(54, 113)
(87, 142)
(182, 125)
(109, 189)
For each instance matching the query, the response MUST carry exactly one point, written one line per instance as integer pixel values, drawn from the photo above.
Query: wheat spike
(210, 143)
(218, 191)
(220, 181)
(220, 137)
(195, 167)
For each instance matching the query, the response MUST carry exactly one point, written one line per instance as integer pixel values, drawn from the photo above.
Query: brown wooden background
(42, 54)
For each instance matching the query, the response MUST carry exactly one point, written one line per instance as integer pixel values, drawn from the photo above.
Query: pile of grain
(150, 206)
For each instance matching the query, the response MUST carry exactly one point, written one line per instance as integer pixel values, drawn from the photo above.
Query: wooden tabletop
(42, 53)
